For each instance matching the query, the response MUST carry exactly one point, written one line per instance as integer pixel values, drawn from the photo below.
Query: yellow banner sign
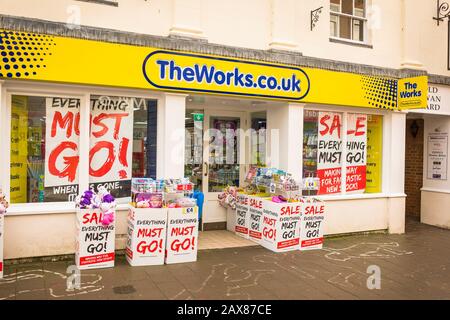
(61, 59)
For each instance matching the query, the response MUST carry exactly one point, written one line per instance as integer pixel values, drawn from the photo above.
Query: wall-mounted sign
(438, 101)
(128, 66)
(437, 155)
(412, 92)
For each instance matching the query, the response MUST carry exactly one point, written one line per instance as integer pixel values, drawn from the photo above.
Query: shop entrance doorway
(223, 158)
(223, 137)
(414, 165)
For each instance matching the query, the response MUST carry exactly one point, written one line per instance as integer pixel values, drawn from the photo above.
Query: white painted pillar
(285, 133)
(411, 30)
(187, 18)
(283, 28)
(394, 173)
(171, 136)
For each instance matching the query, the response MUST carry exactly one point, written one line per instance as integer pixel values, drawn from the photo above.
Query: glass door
(223, 157)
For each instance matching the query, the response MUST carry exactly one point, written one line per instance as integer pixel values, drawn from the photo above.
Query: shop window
(193, 167)
(348, 19)
(44, 149)
(122, 142)
(327, 152)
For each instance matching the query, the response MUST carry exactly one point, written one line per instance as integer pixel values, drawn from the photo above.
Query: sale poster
(356, 153)
(312, 225)
(95, 242)
(281, 226)
(62, 135)
(2, 219)
(374, 153)
(242, 215)
(19, 149)
(146, 241)
(182, 235)
(111, 143)
(329, 152)
(255, 217)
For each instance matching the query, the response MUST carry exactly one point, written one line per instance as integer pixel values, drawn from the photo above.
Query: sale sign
(62, 135)
(356, 152)
(2, 219)
(242, 215)
(95, 242)
(281, 226)
(182, 235)
(255, 218)
(329, 153)
(110, 155)
(311, 227)
(146, 241)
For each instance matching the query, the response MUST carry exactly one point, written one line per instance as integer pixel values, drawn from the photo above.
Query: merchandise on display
(102, 200)
(4, 204)
(270, 210)
(168, 193)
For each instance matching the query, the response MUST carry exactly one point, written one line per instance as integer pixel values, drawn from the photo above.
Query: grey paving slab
(414, 265)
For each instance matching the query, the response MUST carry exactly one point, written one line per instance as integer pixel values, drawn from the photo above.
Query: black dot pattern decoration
(24, 54)
(380, 92)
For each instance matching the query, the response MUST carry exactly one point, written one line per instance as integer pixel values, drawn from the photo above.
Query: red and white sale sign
(329, 154)
(95, 242)
(242, 215)
(281, 226)
(182, 235)
(111, 142)
(312, 224)
(356, 152)
(255, 218)
(146, 241)
(62, 135)
(2, 219)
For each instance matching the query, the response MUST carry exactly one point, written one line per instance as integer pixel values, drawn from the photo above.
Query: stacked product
(161, 217)
(270, 208)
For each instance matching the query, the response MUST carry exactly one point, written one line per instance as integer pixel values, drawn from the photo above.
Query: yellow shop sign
(193, 72)
(42, 57)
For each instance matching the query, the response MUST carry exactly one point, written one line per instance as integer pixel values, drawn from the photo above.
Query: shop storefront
(428, 130)
(79, 113)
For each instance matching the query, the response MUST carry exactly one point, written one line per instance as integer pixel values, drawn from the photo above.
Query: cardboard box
(182, 235)
(312, 225)
(95, 243)
(242, 215)
(255, 218)
(146, 243)
(281, 226)
(2, 220)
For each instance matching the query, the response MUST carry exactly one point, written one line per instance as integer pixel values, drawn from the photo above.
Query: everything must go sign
(110, 154)
(95, 242)
(182, 235)
(146, 243)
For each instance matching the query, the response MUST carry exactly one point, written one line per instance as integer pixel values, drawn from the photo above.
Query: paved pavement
(415, 265)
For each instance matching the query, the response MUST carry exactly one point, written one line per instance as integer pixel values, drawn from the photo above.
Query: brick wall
(413, 168)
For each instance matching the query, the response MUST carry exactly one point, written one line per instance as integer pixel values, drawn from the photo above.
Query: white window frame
(343, 195)
(352, 17)
(9, 88)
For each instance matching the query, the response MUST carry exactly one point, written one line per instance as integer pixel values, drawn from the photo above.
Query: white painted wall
(402, 33)
(435, 200)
